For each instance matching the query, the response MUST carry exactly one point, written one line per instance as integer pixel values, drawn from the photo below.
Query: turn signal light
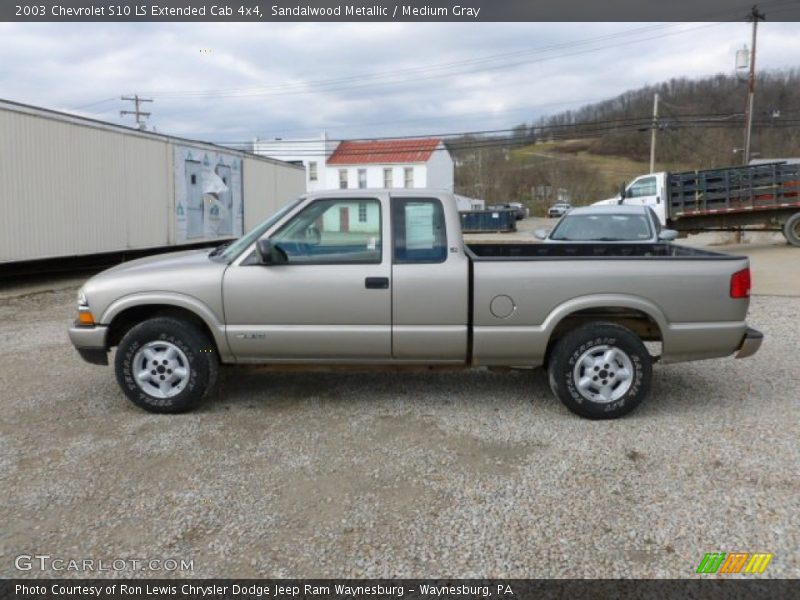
(740, 284)
(85, 317)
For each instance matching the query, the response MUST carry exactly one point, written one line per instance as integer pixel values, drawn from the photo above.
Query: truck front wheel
(791, 230)
(600, 370)
(165, 365)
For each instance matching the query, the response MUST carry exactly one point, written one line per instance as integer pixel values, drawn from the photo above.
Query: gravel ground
(465, 474)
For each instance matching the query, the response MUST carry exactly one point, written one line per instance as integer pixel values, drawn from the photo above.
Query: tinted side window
(333, 231)
(419, 231)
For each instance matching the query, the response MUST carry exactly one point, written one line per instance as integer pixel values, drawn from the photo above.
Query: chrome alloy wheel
(161, 369)
(603, 374)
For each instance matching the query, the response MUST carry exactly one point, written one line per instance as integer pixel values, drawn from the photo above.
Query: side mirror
(542, 233)
(622, 194)
(667, 235)
(269, 254)
(264, 251)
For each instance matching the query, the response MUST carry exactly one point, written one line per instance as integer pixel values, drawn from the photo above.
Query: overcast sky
(232, 82)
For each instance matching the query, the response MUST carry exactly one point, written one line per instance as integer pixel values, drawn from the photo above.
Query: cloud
(234, 81)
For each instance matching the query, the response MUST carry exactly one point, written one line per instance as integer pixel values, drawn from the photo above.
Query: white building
(310, 152)
(404, 163)
(407, 163)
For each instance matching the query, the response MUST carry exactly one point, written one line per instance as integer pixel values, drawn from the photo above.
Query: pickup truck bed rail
(505, 252)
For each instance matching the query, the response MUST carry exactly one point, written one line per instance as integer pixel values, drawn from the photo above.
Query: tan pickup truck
(383, 277)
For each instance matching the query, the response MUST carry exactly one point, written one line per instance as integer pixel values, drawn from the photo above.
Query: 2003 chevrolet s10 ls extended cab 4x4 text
(357, 277)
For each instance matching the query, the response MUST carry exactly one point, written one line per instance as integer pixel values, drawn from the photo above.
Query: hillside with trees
(587, 153)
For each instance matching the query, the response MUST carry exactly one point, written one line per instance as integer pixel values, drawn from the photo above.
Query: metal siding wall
(289, 184)
(148, 192)
(267, 187)
(70, 190)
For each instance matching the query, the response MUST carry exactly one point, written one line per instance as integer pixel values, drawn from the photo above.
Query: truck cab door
(328, 299)
(646, 191)
(430, 282)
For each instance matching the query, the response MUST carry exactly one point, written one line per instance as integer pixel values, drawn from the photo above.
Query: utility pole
(653, 135)
(138, 113)
(755, 17)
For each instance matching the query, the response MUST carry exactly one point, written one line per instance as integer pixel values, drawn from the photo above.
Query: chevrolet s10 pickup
(383, 277)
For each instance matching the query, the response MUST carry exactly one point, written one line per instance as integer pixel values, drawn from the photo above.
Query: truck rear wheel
(600, 371)
(165, 365)
(791, 230)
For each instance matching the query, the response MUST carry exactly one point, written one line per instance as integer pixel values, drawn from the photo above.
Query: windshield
(234, 249)
(602, 228)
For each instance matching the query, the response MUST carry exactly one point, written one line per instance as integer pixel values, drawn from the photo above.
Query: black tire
(164, 335)
(589, 344)
(791, 230)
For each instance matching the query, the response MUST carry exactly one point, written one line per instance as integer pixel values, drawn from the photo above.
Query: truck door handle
(376, 283)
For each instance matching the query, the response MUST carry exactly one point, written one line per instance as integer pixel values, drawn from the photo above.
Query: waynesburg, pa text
(273, 590)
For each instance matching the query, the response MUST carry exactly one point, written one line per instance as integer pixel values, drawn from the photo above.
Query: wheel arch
(127, 312)
(639, 315)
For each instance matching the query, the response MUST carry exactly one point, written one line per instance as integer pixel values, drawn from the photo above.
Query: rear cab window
(419, 230)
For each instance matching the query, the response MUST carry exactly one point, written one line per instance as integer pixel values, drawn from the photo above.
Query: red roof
(384, 151)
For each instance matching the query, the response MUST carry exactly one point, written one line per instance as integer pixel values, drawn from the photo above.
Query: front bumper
(90, 342)
(751, 342)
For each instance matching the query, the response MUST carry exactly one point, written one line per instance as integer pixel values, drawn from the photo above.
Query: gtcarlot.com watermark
(46, 562)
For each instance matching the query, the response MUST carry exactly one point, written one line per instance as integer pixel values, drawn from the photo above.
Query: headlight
(85, 316)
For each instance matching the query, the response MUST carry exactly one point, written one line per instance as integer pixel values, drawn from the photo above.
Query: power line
(449, 116)
(94, 103)
(326, 86)
(559, 133)
(410, 71)
(637, 121)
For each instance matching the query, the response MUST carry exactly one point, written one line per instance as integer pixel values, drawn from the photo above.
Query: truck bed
(770, 186)
(504, 252)
(521, 290)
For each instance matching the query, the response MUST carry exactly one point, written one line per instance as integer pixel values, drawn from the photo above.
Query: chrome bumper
(90, 342)
(751, 342)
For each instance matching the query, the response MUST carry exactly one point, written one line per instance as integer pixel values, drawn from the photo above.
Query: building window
(387, 177)
(342, 179)
(362, 212)
(362, 178)
(408, 177)
(312, 171)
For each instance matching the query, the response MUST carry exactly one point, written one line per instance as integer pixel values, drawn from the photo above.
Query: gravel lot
(391, 474)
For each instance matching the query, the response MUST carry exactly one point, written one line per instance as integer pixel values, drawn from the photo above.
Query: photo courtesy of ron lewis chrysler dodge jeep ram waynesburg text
(383, 277)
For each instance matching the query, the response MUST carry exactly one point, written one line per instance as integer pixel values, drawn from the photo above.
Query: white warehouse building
(74, 186)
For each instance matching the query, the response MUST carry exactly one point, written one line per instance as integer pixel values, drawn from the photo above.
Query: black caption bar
(370, 589)
(382, 10)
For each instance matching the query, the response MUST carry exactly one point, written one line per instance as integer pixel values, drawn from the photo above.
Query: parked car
(613, 224)
(383, 277)
(520, 212)
(558, 210)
